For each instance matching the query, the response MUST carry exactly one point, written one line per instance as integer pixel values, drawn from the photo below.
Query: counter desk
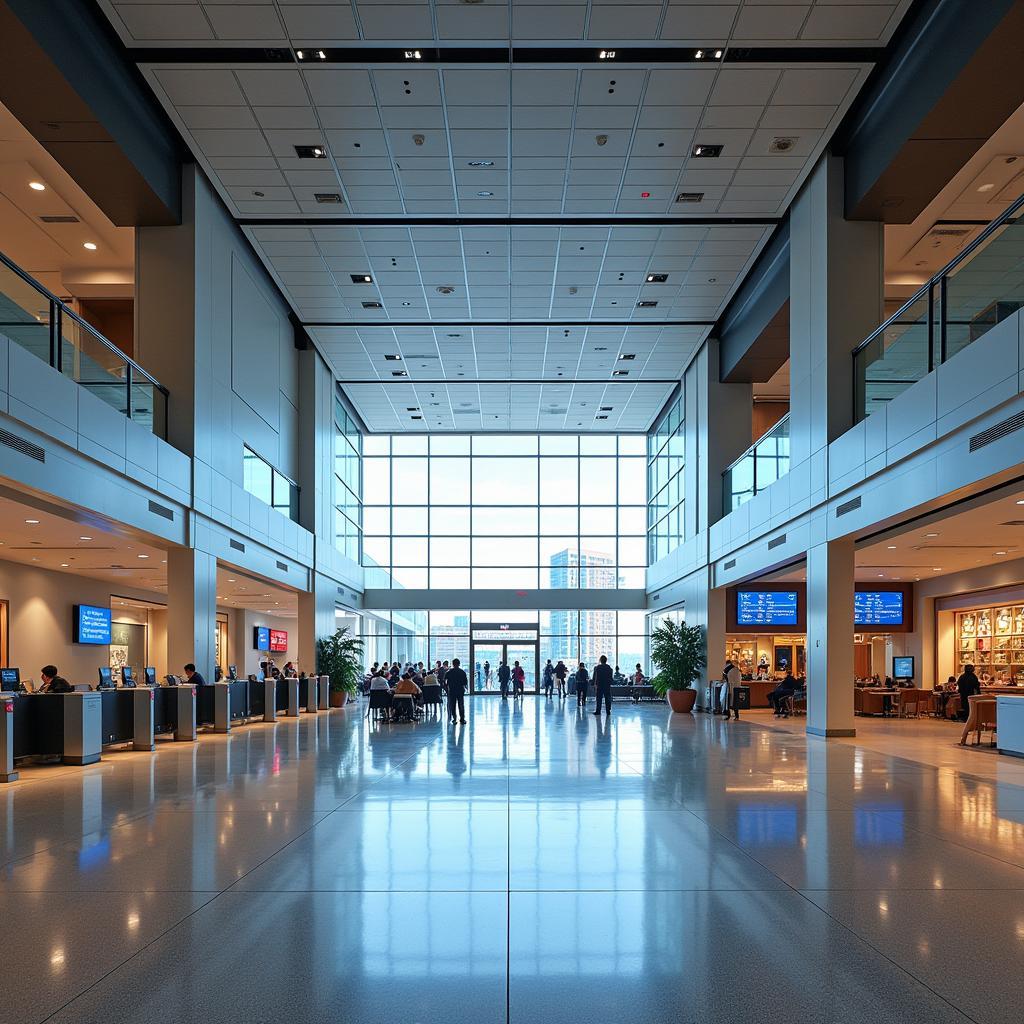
(64, 725)
(1010, 725)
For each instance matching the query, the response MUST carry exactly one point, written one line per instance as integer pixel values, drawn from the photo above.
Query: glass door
(484, 661)
(526, 655)
(494, 643)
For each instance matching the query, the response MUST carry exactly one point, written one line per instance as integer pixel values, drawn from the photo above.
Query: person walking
(603, 685)
(560, 674)
(487, 675)
(518, 681)
(549, 679)
(504, 675)
(730, 678)
(582, 679)
(457, 685)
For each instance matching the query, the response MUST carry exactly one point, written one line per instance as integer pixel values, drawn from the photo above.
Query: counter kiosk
(65, 725)
(325, 693)
(307, 694)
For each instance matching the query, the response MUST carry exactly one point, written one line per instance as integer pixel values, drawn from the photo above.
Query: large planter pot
(338, 698)
(682, 701)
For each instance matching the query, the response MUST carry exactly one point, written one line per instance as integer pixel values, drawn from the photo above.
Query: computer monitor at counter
(106, 678)
(127, 676)
(150, 673)
(10, 680)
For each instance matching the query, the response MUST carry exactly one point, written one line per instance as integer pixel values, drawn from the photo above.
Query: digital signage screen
(261, 638)
(766, 608)
(903, 667)
(279, 640)
(878, 608)
(91, 624)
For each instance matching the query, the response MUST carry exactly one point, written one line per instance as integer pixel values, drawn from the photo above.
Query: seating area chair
(403, 707)
(432, 696)
(982, 716)
(380, 700)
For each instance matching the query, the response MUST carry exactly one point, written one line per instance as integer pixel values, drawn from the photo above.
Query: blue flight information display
(261, 638)
(766, 608)
(91, 624)
(878, 608)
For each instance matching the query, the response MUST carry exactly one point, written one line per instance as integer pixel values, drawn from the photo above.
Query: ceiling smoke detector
(445, 289)
(782, 144)
(601, 140)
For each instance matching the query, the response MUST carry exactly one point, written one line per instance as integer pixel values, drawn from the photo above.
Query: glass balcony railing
(981, 286)
(39, 322)
(760, 465)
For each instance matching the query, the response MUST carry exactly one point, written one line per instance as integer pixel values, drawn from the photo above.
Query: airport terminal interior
(511, 511)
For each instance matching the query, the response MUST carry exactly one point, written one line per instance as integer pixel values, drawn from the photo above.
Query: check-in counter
(64, 725)
(129, 716)
(308, 699)
(1010, 725)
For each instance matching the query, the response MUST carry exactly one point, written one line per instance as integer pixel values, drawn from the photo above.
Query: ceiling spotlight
(657, 278)
(392, 357)
(328, 197)
(65, 565)
(699, 55)
(85, 538)
(321, 55)
(32, 522)
(606, 408)
(937, 569)
(37, 186)
(445, 289)
(931, 535)
(399, 373)
(647, 304)
(310, 152)
(142, 556)
(628, 355)
(606, 55)
(413, 55)
(981, 188)
(690, 197)
(480, 163)
(300, 55)
(707, 151)
(361, 278)
(91, 246)
(620, 373)
(891, 547)
(373, 305)
(718, 54)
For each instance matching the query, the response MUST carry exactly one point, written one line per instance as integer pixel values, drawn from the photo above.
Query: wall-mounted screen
(903, 667)
(91, 624)
(279, 640)
(261, 638)
(878, 608)
(766, 608)
(10, 679)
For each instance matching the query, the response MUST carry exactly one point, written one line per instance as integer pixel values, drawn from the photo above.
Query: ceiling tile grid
(500, 141)
(500, 272)
(327, 22)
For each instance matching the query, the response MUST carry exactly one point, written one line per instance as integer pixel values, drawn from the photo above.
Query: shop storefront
(983, 629)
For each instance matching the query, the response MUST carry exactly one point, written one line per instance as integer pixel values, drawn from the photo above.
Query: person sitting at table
(53, 682)
(408, 685)
(778, 697)
(618, 679)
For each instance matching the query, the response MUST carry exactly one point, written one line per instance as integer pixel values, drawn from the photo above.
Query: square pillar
(316, 619)
(830, 584)
(191, 610)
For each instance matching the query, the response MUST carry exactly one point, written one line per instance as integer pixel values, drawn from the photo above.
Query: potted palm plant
(340, 656)
(680, 653)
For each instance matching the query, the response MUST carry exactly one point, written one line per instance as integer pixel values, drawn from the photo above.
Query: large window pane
(449, 521)
(377, 549)
(449, 444)
(449, 551)
(505, 481)
(597, 520)
(409, 550)
(505, 550)
(632, 520)
(501, 579)
(558, 484)
(449, 579)
(559, 444)
(409, 481)
(560, 520)
(505, 444)
(505, 521)
(408, 444)
(597, 481)
(632, 488)
(409, 521)
(597, 444)
(409, 578)
(449, 481)
(376, 519)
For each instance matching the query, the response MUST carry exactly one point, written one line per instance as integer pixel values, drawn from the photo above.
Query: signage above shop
(766, 607)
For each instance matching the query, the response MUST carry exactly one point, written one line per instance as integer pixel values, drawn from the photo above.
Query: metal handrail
(1005, 217)
(67, 311)
(750, 450)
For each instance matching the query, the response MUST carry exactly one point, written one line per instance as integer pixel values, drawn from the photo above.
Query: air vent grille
(847, 506)
(283, 566)
(59, 219)
(996, 433)
(237, 545)
(949, 232)
(776, 541)
(19, 444)
(161, 510)
(731, 564)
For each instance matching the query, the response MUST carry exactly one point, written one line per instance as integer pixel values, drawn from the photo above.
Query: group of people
(779, 698)
(410, 680)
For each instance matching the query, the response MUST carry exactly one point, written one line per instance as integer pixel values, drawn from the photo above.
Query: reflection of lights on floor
(883, 908)
(775, 786)
(133, 921)
(57, 959)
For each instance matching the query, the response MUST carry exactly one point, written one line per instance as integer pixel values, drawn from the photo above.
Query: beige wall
(40, 621)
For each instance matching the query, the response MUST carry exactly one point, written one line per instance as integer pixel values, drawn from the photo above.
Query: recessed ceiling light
(937, 568)
(142, 556)
(485, 195)
(698, 55)
(372, 305)
(361, 278)
(931, 535)
(891, 547)
(85, 538)
(881, 575)
(392, 357)
(32, 522)
(1000, 552)
(310, 152)
(657, 278)
(328, 197)
(480, 163)
(601, 417)
(399, 373)
(91, 246)
(705, 150)
(606, 408)
(64, 565)
(231, 581)
(37, 186)
(412, 408)
(690, 197)
(987, 187)
(620, 373)
(413, 55)
(627, 355)
(647, 304)
(718, 54)
(1020, 501)
(606, 55)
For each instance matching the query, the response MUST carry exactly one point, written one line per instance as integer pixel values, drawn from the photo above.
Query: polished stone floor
(536, 865)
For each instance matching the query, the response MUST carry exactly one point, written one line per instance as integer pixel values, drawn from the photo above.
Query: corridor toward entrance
(535, 865)
(494, 644)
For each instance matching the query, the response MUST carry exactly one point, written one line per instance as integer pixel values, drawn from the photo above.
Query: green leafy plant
(340, 656)
(680, 653)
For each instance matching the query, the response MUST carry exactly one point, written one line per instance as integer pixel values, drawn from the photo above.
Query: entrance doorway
(492, 643)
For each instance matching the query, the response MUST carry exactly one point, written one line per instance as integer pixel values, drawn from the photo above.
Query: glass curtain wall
(571, 636)
(504, 511)
(348, 511)
(665, 458)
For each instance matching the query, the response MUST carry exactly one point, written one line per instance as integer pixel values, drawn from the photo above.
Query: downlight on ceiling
(361, 278)
(657, 278)
(399, 373)
(311, 152)
(91, 246)
(606, 55)
(782, 144)
(38, 186)
(392, 357)
(706, 151)
(480, 163)
(413, 55)
(647, 304)
(372, 305)
(328, 197)
(628, 355)
(690, 197)
(620, 373)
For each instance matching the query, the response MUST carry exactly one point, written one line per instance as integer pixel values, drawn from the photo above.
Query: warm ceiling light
(142, 556)
(37, 186)
(85, 538)
(231, 581)
(937, 568)
(91, 246)
(718, 54)
(891, 547)
(931, 535)
(699, 55)
(987, 187)
(64, 565)
(32, 522)
(1020, 501)
(1000, 552)
(300, 54)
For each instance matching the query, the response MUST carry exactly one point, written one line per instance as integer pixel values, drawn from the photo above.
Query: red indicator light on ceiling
(645, 195)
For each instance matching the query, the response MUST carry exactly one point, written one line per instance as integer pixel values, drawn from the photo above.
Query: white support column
(316, 619)
(191, 610)
(715, 636)
(830, 578)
